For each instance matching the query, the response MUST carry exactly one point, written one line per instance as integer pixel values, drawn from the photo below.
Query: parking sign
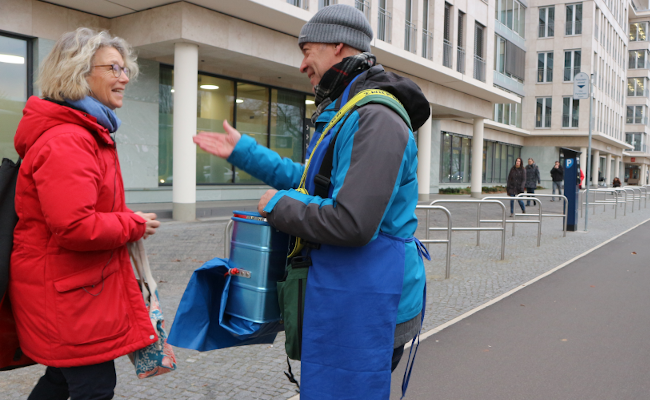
(581, 86)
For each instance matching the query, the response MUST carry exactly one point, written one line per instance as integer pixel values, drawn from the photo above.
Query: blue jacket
(373, 184)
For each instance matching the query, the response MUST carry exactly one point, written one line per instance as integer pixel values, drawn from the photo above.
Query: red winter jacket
(72, 288)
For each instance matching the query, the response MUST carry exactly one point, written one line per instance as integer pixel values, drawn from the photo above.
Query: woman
(616, 182)
(516, 184)
(532, 179)
(75, 299)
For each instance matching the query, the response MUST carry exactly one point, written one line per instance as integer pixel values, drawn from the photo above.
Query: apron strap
(411, 362)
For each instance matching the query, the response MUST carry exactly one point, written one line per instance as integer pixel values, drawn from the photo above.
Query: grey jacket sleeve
(373, 156)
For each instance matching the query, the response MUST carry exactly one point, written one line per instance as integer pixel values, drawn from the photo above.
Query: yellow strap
(347, 107)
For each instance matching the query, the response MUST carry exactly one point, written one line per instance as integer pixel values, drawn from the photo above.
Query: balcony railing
(460, 60)
(636, 120)
(410, 38)
(570, 72)
(479, 68)
(544, 71)
(544, 123)
(364, 7)
(574, 28)
(447, 53)
(568, 122)
(543, 32)
(383, 25)
(427, 44)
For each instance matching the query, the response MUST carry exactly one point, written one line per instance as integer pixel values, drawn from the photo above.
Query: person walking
(362, 223)
(616, 182)
(516, 184)
(532, 179)
(557, 176)
(74, 296)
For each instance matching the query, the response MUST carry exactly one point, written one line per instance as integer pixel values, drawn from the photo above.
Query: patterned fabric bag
(157, 358)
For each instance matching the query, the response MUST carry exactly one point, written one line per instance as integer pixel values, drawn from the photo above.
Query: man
(557, 175)
(532, 179)
(364, 296)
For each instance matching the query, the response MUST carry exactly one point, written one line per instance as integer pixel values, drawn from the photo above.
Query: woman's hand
(218, 144)
(150, 223)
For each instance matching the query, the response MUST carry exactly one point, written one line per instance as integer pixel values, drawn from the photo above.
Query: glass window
(504, 163)
(287, 124)
(509, 12)
(214, 104)
(545, 67)
(445, 160)
(546, 21)
(465, 160)
(571, 64)
(252, 117)
(489, 160)
(637, 87)
(570, 112)
(637, 59)
(634, 139)
(456, 170)
(14, 87)
(543, 112)
(638, 31)
(246, 106)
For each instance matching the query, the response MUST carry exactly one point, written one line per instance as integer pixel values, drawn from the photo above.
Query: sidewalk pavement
(255, 372)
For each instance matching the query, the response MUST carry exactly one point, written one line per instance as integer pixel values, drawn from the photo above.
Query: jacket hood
(40, 115)
(406, 91)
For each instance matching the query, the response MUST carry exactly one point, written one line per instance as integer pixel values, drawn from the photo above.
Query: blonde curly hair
(64, 71)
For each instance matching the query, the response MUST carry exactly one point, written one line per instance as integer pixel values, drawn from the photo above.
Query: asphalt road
(582, 332)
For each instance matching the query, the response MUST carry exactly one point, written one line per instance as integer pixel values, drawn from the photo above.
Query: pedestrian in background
(516, 184)
(616, 182)
(74, 295)
(532, 179)
(557, 175)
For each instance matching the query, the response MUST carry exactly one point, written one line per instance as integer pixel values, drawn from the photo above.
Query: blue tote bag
(201, 322)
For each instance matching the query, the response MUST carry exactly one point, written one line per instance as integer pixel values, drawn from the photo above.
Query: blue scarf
(105, 116)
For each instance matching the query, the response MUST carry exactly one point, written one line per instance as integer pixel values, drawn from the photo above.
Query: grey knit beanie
(338, 23)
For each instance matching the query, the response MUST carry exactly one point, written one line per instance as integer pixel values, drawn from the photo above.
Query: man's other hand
(264, 201)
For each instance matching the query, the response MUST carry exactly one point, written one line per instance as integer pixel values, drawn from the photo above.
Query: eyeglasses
(117, 70)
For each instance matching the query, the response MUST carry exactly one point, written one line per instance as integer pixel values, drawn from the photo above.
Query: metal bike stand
(514, 221)
(552, 215)
(478, 229)
(427, 241)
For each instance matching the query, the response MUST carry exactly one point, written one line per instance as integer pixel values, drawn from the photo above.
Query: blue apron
(351, 306)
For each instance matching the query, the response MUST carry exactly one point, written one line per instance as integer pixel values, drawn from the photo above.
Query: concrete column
(617, 168)
(594, 167)
(424, 161)
(186, 64)
(477, 158)
(643, 172)
(583, 161)
(608, 170)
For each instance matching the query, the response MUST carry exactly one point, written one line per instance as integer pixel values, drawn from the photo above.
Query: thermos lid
(249, 216)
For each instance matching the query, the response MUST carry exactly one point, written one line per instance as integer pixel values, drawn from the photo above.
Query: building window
(639, 32)
(384, 22)
(637, 87)
(545, 67)
(304, 4)
(325, 3)
(498, 158)
(574, 19)
(571, 64)
(636, 139)
(410, 29)
(455, 159)
(508, 113)
(511, 14)
(546, 22)
(460, 56)
(364, 7)
(447, 46)
(274, 117)
(638, 59)
(15, 89)
(479, 61)
(543, 112)
(636, 115)
(570, 112)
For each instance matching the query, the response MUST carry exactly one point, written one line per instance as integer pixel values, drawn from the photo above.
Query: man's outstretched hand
(218, 144)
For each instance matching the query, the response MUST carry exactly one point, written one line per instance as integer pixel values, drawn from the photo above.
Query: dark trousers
(91, 382)
(397, 356)
(530, 190)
